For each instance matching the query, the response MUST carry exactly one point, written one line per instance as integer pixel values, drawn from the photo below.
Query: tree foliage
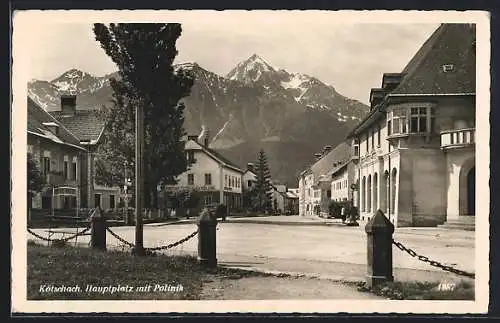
(35, 178)
(262, 199)
(144, 54)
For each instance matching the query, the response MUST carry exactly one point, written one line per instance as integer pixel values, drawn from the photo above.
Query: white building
(218, 179)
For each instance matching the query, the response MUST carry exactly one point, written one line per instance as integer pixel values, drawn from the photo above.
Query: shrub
(335, 209)
(220, 211)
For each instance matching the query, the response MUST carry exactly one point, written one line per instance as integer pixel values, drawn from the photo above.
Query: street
(307, 248)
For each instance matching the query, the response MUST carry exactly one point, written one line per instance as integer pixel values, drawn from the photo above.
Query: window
(73, 171)
(249, 183)
(111, 201)
(208, 179)
(373, 139)
(208, 199)
(448, 68)
(356, 150)
(46, 165)
(418, 120)
(65, 170)
(378, 136)
(190, 179)
(97, 200)
(190, 157)
(367, 143)
(225, 181)
(328, 193)
(413, 120)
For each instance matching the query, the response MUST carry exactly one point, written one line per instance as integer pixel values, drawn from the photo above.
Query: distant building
(88, 128)
(279, 197)
(416, 147)
(249, 177)
(315, 181)
(292, 201)
(342, 178)
(217, 178)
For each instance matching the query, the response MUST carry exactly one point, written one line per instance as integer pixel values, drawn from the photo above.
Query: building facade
(216, 178)
(415, 150)
(315, 181)
(59, 156)
(88, 128)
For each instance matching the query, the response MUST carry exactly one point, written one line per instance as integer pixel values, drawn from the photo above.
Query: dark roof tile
(37, 116)
(84, 124)
(449, 44)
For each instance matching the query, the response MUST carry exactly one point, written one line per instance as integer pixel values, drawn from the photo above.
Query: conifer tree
(263, 186)
(35, 178)
(144, 54)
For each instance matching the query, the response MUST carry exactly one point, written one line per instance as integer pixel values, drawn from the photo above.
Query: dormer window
(53, 127)
(448, 68)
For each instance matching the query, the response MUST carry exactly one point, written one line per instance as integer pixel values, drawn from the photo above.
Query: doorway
(471, 191)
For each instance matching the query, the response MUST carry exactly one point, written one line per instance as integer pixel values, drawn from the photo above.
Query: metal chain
(175, 243)
(432, 262)
(172, 245)
(131, 245)
(60, 239)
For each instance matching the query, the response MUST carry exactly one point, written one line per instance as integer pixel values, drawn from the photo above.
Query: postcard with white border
(265, 161)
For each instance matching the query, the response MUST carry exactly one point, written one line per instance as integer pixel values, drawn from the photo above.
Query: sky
(349, 56)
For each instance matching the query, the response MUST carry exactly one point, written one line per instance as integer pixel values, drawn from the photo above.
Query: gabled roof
(449, 44)
(219, 157)
(84, 124)
(424, 75)
(249, 171)
(321, 167)
(39, 122)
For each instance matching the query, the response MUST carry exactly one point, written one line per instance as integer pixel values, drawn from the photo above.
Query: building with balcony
(85, 125)
(60, 159)
(216, 178)
(414, 152)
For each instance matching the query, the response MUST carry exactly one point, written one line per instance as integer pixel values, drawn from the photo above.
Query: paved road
(298, 247)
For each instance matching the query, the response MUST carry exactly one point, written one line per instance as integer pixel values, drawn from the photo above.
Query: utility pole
(139, 179)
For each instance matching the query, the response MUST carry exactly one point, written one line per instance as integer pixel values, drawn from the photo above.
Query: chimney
(53, 127)
(68, 104)
(327, 149)
(206, 140)
(250, 167)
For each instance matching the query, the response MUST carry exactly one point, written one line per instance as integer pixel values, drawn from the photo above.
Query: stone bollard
(207, 236)
(379, 232)
(98, 230)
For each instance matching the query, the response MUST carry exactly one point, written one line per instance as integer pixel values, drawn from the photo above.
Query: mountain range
(290, 115)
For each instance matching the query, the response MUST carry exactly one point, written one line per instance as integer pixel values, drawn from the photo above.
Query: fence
(379, 246)
(96, 228)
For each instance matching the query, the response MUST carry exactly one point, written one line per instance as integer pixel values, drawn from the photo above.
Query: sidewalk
(334, 271)
(263, 219)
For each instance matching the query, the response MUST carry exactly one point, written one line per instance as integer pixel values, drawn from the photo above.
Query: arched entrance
(393, 190)
(471, 191)
(467, 188)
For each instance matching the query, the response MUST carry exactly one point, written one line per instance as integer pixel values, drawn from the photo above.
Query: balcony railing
(457, 138)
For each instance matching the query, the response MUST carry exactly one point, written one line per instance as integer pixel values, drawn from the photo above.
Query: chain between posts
(60, 239)
(165, 247)
(432, 262)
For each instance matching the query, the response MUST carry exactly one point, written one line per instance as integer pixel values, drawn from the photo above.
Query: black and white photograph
(250, 161)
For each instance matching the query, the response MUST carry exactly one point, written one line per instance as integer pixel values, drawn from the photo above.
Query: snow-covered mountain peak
(251, 70)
